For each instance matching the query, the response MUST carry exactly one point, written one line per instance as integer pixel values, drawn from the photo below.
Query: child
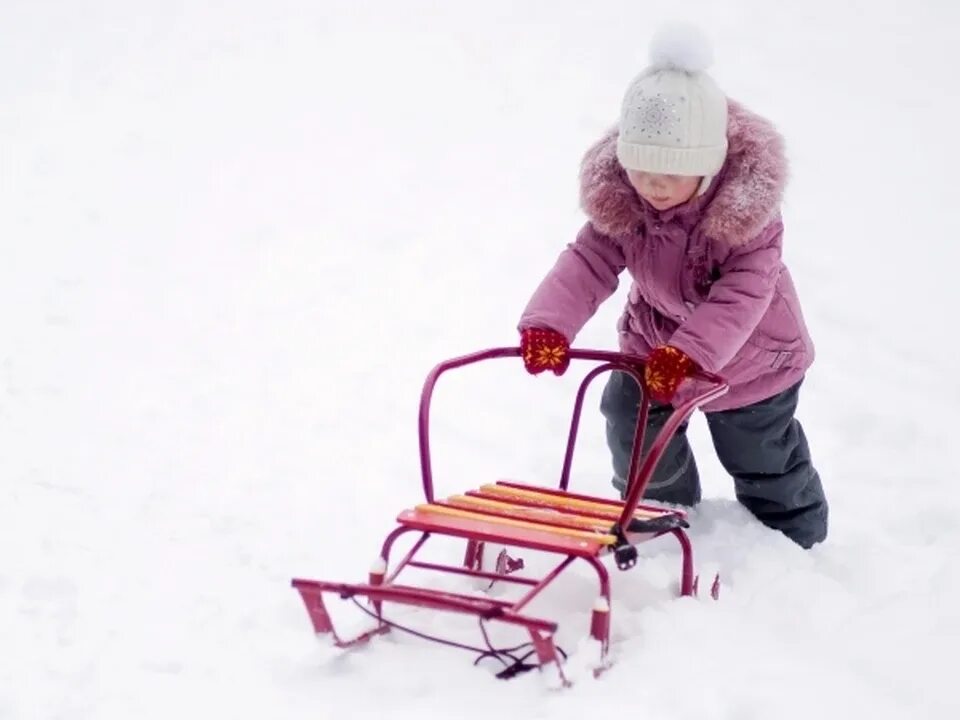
(685, 194)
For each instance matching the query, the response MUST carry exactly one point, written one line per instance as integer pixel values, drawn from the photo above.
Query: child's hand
(666, 368)
(544, 349)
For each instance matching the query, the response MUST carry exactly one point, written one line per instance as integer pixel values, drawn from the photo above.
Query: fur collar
(747, 197)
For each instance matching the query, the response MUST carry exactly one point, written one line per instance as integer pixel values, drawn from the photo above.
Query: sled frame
(567, 525)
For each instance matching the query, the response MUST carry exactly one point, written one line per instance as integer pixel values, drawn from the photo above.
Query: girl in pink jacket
(685, 195)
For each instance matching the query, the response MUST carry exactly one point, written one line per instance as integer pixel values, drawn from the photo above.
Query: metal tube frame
(541, 631)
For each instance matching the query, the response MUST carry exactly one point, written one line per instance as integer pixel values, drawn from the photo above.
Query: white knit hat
(674, 117)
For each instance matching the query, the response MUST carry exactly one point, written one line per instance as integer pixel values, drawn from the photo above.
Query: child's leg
(675, 479)
(764, 448)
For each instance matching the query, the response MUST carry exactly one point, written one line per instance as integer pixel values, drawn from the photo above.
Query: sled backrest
(641, 466)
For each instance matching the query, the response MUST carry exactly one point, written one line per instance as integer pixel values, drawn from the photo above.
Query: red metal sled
(568, 525)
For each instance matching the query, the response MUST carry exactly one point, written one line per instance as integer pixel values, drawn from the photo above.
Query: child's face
(663, 191)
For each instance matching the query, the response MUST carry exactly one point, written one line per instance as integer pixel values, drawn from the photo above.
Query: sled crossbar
(485, 608)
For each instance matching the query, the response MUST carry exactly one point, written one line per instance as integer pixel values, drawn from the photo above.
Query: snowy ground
(236, 236)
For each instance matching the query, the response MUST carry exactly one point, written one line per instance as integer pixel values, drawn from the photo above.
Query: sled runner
(569, 526)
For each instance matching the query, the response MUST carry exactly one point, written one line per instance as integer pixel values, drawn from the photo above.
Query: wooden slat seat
(528, 516)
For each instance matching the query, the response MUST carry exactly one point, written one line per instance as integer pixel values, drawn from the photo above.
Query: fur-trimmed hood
(746, 198)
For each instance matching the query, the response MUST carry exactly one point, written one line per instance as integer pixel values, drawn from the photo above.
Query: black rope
(413, 632)
(519, 664)
(510, 669)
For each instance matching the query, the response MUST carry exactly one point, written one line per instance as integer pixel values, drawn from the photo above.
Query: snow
(236, 236)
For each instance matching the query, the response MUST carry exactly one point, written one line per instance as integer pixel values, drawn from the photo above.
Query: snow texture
(236, 236)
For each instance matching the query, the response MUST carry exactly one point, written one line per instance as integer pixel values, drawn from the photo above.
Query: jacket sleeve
(716, 330)
(585, 274)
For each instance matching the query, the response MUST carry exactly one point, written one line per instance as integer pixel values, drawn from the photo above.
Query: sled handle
(612, 361)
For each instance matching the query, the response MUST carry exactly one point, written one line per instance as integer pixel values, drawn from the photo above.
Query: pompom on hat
(673, 120)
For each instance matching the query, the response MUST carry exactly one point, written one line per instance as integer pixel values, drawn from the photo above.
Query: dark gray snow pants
(762, 446)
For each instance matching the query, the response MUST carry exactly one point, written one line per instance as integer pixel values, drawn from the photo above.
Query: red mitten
(544, 349)
(666, 368)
